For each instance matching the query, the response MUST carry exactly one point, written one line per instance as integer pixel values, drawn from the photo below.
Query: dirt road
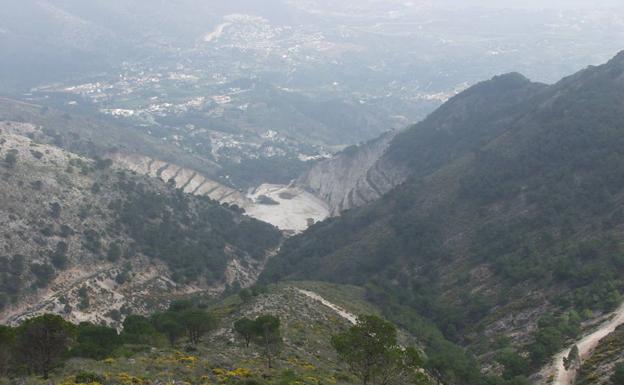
(586, 346)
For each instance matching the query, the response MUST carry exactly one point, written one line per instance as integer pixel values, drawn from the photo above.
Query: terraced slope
(191, 182)
(290, 208)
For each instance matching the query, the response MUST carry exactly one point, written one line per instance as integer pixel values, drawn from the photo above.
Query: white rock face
(293, 211)
(354, 177)
(190, 181)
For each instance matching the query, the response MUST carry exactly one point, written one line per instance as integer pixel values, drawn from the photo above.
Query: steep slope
(507, 233)
(354, 177)
(362, 174)
(91, 242)
(587, 350)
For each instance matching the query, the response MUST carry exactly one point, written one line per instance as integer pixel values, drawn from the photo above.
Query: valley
(382, 201)
(311, 192)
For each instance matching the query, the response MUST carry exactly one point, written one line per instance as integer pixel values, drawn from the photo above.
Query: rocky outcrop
(192, 182)
(356, 176)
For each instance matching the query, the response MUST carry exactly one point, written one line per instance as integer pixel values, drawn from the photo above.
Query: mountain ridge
(515, 181)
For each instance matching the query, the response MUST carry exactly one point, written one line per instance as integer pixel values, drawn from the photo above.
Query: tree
(43, 342)
(618, 376)
(245, 295)
(138, 330)
(7, 346)
(10, 159)
(245, 327)
(267, 335)
(573, 360)
(94, 341)
(114, 252)
(515, 365)
(43, 272)
(55, 210)
(169, 324)
(371, 351)
(197, 323)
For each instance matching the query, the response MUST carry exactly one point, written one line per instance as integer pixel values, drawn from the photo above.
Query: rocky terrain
(289, 208)
(188, 180)
(64, 246)
(355, 176)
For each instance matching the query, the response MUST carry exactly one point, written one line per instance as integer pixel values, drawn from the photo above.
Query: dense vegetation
(514, 202)
(189, 233)
(42, 343)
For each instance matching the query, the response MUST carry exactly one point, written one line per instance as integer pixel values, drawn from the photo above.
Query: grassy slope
(306, 358)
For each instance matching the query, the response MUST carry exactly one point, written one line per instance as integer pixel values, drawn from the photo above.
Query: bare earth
(352, 318)
(586, 345)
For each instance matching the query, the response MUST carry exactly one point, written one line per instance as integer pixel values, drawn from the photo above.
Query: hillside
(507, 233)
(131, 149)
(355, 176)
(309, 312)
(82, 239)
(362, 174)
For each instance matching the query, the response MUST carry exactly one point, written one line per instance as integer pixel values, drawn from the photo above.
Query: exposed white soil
(296, 210)
(352, 318)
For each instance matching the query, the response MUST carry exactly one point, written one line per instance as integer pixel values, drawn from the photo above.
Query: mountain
(94, 242)
(505, 237)
(362, 174)
(354, 176)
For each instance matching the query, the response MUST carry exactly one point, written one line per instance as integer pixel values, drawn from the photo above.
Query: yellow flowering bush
(126, 379)
(109, 361)
(224, 375)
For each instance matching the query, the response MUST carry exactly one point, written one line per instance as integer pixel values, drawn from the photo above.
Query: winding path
(586, 345)
(352, 318)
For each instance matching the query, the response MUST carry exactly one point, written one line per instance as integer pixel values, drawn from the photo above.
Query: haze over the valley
(309, 192)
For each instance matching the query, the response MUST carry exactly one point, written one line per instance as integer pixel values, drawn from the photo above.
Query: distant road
(216, 33)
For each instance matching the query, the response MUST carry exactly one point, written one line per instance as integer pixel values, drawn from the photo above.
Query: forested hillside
(508, 233)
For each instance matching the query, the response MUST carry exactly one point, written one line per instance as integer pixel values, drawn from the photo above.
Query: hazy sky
(536, 3)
